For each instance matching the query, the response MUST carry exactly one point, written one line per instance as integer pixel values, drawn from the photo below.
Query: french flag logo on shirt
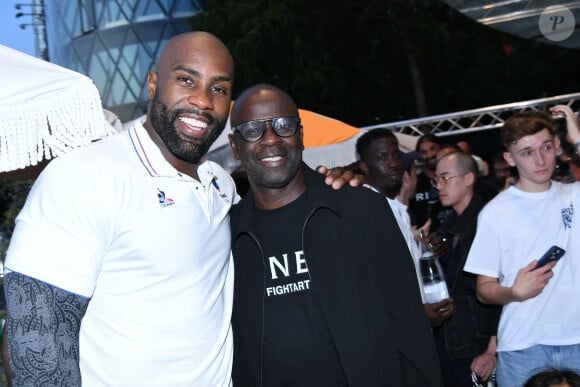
(163, 200)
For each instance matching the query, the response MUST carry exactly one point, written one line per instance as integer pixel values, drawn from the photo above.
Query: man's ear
(363, 167)
(470, 178)
(151, 83)
(234, 146)
(507, 156)
(302, 136)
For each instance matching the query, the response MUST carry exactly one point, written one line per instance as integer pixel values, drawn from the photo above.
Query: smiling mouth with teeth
(273, 158)
(195, 124)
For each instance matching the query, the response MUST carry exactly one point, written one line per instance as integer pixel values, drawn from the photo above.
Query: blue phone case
(553, 254)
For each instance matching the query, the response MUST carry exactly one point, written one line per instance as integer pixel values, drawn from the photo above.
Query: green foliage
(12, 197)
(355, 60)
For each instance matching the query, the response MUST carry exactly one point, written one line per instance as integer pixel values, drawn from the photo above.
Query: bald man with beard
(119, 270)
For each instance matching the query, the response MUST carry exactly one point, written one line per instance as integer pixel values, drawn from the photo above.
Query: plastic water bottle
(434, 285)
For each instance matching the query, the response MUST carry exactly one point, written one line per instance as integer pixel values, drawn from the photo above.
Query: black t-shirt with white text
(297, 348)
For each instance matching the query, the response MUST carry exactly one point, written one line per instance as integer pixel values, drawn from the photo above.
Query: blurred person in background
(466, 342)
(425, 205)
(381, 161)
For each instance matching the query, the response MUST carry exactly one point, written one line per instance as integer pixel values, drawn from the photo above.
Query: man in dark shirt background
(426, 205)
(465, 342)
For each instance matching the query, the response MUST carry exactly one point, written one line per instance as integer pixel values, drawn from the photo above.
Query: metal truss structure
(469, 121)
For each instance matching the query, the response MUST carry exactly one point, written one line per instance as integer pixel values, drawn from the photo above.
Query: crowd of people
(135, 262)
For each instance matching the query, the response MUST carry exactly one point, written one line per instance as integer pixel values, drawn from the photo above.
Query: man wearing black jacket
(325, 290)
(466, 342)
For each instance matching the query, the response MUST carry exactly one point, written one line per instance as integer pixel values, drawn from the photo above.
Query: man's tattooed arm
(42, 328)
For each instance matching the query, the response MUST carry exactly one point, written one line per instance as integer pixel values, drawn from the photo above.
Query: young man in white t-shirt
(540, 322)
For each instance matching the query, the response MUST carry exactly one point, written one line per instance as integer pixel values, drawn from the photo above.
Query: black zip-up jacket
(363, 279)
(467, 332)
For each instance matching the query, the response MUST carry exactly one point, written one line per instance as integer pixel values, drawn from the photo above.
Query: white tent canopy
(46, 110)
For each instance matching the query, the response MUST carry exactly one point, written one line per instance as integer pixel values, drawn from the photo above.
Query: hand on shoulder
(338, 177)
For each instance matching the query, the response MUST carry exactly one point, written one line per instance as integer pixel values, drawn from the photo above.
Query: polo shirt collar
(153, 161)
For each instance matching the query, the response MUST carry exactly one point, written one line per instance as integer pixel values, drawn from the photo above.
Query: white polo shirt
(150, 246)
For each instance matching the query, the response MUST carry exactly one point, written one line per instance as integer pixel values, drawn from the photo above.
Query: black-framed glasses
(254, 130)
(443, 180)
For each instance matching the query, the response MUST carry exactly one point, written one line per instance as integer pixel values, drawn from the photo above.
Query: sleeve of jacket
(391, 267)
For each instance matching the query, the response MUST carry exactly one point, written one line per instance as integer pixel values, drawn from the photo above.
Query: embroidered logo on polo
(567, 215)
(218, 189)
(164, 201)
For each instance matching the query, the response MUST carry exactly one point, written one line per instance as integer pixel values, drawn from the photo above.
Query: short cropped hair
(525, 124)
(464, 162)
(364, 142)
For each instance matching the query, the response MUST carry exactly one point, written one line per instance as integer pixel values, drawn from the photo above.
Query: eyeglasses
(443, 180)
(254, 130)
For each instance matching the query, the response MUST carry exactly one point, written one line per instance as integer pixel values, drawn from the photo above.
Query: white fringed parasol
(45, 110)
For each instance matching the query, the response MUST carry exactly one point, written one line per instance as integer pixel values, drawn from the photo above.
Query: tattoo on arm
(42, 328)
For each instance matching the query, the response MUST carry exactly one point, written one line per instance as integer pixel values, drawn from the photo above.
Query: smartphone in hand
(553, 254)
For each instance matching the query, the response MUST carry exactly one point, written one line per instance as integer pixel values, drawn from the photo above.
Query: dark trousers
(456, 372)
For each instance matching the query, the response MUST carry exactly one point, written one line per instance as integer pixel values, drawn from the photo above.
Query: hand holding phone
(553, 254)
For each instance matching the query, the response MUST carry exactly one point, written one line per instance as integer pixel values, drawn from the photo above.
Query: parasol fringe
(37, 129)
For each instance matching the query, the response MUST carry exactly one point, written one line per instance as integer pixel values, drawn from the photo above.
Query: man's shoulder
(499, 201)
(359, 202)
(315, 183)
(353, 195)
(93, 164)
(107, 150)
(572, 189)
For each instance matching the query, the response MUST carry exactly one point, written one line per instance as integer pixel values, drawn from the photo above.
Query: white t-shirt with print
(515, 228)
